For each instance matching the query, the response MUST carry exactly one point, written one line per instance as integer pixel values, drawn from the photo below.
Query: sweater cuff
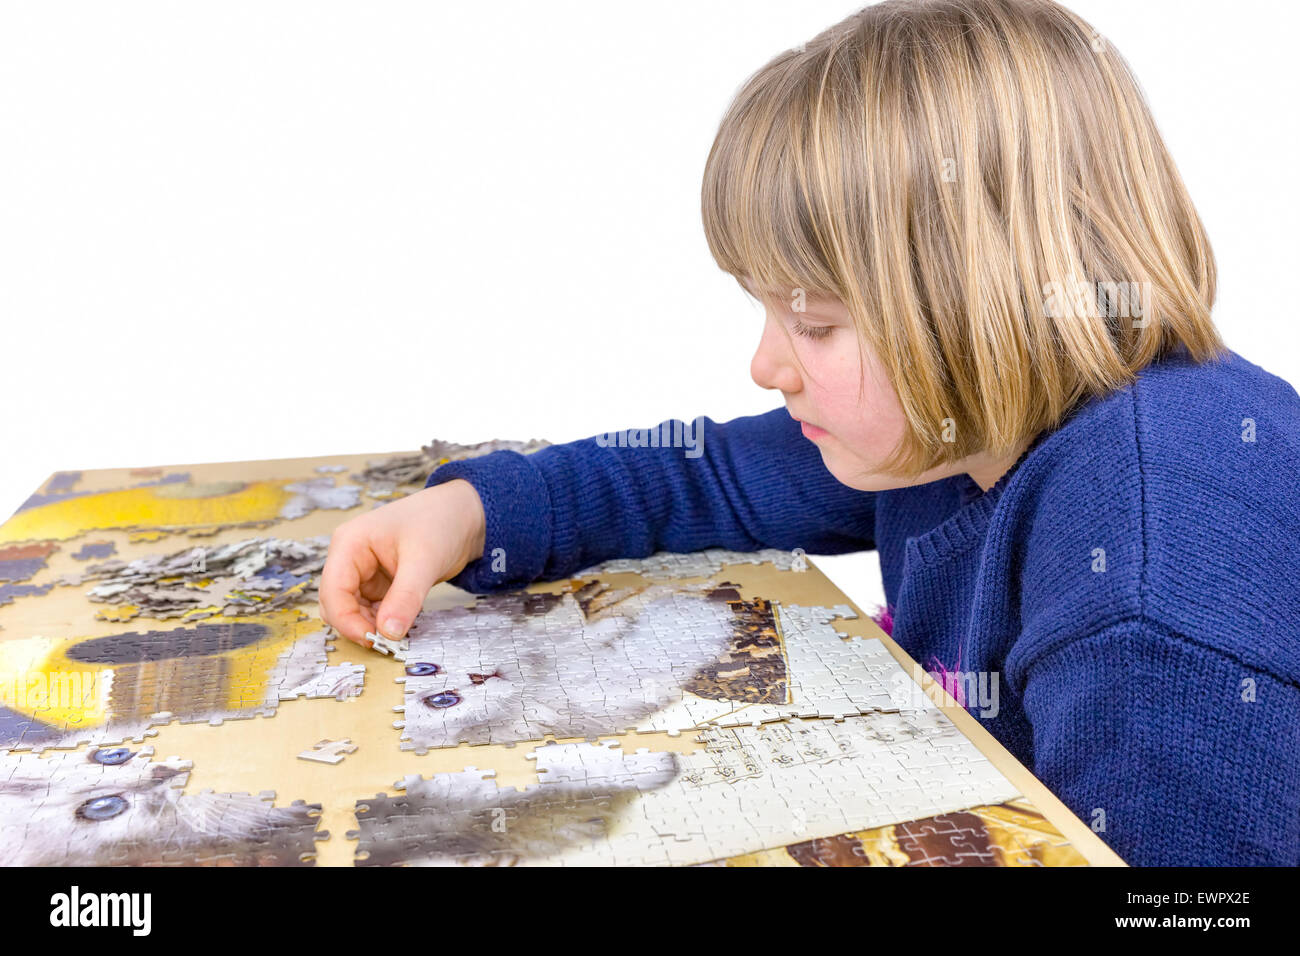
(517, 509)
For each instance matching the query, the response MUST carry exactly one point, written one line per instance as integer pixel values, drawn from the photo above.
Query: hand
(381, 565)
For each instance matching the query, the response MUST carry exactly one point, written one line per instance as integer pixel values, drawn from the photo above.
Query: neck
(985, 471)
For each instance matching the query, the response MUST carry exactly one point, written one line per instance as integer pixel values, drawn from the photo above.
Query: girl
(988, 304)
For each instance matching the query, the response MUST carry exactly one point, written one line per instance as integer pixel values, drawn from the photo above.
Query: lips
(810, 431)
(803, 421)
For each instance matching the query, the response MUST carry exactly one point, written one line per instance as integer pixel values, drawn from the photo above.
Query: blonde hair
(981, 183)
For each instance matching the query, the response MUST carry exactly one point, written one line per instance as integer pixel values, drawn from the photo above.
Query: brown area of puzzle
(168, 696)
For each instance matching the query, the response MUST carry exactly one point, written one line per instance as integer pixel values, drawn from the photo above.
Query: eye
(112, 756)
(421, 669)
(448, 698)
(102, 808)
(815, 332)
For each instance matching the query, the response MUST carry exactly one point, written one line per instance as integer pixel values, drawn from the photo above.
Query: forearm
(754, 483)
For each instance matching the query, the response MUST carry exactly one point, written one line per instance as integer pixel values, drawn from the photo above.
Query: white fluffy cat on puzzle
(116, 806)
(518, 666)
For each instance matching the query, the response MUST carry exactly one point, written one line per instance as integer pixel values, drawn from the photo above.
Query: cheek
(864, 415)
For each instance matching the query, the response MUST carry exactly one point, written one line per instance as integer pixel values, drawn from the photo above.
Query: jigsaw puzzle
(776, 737)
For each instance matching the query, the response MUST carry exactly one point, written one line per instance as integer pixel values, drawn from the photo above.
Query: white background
(261, 230)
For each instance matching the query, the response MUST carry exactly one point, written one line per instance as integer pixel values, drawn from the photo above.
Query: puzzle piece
(329, 751)
(253, 576)
(394, 649)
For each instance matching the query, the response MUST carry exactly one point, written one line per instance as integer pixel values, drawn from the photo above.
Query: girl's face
(851, 413)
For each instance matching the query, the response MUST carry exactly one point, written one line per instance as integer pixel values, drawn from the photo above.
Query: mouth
(810, 431)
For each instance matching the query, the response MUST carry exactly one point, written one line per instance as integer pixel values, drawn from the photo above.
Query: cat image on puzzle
(518, 666)
(465, 819)
(115, 806)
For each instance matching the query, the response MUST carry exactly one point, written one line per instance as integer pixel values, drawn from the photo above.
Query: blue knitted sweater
(1133, 581)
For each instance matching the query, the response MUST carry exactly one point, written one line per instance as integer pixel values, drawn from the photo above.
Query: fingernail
(393, 628)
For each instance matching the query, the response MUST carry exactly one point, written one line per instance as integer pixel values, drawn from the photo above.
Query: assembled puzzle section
(119, 807)
(1012, 833)
(600, 659)
(114, 688)
(750, 789)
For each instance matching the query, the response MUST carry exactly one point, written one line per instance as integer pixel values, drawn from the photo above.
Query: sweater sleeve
(749, 483)
(1187, 756)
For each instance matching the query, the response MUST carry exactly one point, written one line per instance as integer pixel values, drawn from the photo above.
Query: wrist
(470, 508)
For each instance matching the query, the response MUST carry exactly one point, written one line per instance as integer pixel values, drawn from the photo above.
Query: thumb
(415, 576)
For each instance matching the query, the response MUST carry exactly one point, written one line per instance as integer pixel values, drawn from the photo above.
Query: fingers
(347, 563)
(368, 610)
(374, 588)
(416, 574)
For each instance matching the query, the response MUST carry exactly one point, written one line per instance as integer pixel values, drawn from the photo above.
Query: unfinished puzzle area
(715, 708)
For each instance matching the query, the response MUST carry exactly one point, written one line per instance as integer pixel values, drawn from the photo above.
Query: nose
(772, 365)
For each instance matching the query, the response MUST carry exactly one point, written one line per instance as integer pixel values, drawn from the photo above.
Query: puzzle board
(168, 696)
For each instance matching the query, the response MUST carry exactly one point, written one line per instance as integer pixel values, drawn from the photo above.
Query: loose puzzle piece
(382, 645)
(253, 576)
(95, 549)
(118, 807)
(329, 751)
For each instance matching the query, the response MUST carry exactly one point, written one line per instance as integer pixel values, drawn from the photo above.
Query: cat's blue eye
(422, 669)
(102, 808)
(447, 698)
(111, 756)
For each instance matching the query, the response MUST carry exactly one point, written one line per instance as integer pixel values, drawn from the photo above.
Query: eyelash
(814, 332)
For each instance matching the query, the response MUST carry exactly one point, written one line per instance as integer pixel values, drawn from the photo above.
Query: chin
(853, 477)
